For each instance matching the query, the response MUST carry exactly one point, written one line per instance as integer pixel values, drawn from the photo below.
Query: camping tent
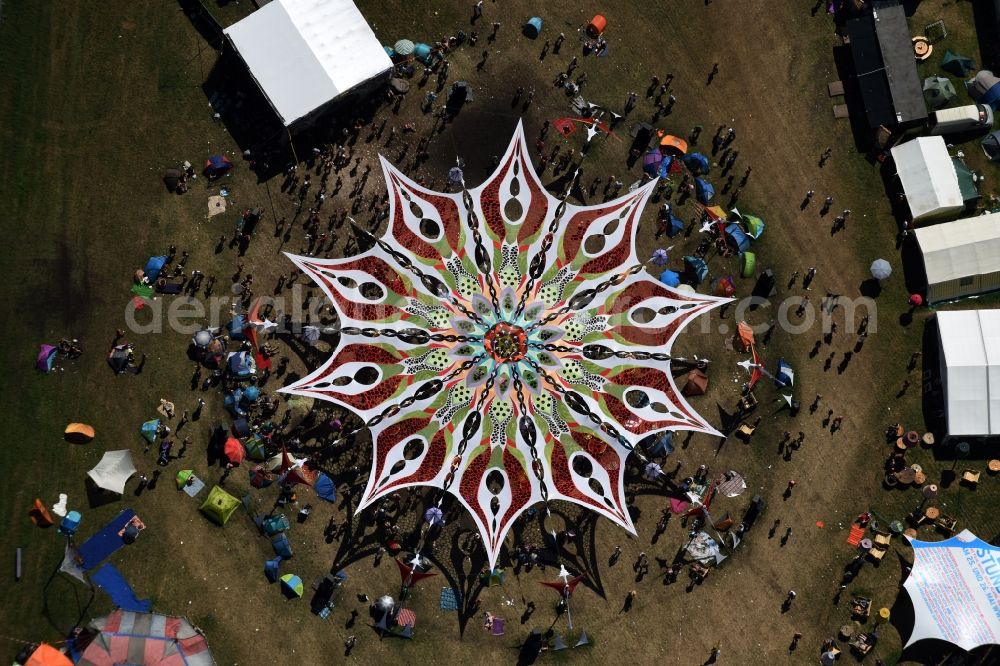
(113, 471)
(928, 178)
(236, 327)
(938, 91)
(660, 444)
(697, 163)
(291, 586)
(672, 145)
(306, 53)
(957, 64)
(46, 357)
(748, 262)
(737, 238)
(703, 190)
(147, 638)
(79, 433)
(241, 364)
(670, 278)
(533, 27)
(697, 383)
(991, 145)
(46, 655)
(154, 265)
(219, 505)
(970, 370)
(953, 587)
(984, 87)
(754, 225)
(725, 286)
(696, 268)
(961, 258)
(148, 430)
(325, 487)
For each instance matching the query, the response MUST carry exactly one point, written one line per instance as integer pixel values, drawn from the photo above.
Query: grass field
(95, 101)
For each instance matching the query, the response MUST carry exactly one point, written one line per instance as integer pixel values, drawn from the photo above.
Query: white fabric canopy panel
(305, 53)
(970, 368)
(504, 345)
(114, 470)
(955, 590)
(928, 177)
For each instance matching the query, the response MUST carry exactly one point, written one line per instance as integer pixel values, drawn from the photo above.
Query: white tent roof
(113, 471)
(304, 53)
(954, 588)
(928, 177)
(961, 248)
(970, 346)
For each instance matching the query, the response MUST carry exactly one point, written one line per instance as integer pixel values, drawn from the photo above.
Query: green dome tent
(938, 91)
(219, 506)
(957, 64)
(748, 262)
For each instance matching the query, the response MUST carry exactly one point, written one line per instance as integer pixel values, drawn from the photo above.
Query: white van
(961, 119)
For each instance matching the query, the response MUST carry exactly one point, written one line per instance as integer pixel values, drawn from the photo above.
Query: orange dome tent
(596, 26)
(79, 433)
(671, 144)
(46, 655)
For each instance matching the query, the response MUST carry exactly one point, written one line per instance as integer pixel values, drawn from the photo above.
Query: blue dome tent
(251, 394)
(271, 569)
(674, 226)
(696, 267)
(697, 162)
(153, 267)
(703, 190)
(240, 365)
(738, 237)
(422, 52)
(325, 488)
(232, 402)
(670, 278)
(236, 326)
(217, 165)
(533, 27)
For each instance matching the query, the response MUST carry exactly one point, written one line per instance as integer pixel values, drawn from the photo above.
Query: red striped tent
(124, 637)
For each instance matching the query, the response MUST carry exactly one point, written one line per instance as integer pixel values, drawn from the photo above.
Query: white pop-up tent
(928, 177)
(305, 53)
(961, 258)
(970, 370)
(113, 471)
(954, 589)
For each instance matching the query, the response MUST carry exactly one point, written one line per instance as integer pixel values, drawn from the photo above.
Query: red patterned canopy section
(504, 345)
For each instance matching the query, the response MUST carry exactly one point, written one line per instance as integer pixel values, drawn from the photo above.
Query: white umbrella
(386, 603)
(653, 471)
(881, 269)
(930, 492)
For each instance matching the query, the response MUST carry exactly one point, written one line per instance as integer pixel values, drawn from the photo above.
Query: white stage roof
(304, 53)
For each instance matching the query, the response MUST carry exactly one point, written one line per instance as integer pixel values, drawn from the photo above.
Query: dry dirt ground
(97, 100)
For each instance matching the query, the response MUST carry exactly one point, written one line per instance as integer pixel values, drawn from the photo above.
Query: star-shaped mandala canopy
(504, 345)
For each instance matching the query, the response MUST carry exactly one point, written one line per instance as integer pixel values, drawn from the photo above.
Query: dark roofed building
(885, 68)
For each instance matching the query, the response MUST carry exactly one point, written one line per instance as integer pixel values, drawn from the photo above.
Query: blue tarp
(325, 487)
(697, 163)
(450, 599)
(703, 190)
(97, 548)
(738, 237)
(670, 278)
(697, 267)
(109, 579)
(153, 267)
